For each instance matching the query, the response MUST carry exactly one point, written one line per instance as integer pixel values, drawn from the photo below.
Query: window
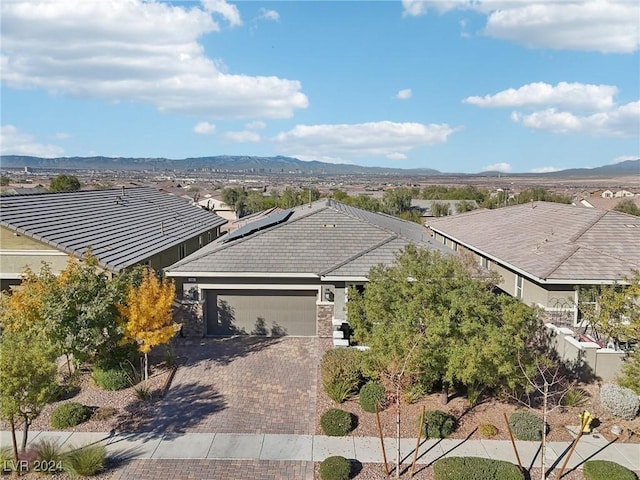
(182, 251)
(209, 236)
(519, 283)
(200, 241)
(484, 261)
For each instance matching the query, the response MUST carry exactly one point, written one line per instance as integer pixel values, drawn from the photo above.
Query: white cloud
(62, 136)
(545, 170)
(229, 12)
(564, 94)
(396, 156)
(346, 141)
(266, 14)
(134, 50)
(16, 142)
(624, 158)
(244, 136)
(607, 26)
(404, 94)
(623, 121)
(255, 125)
(204, 128)
(497, 167)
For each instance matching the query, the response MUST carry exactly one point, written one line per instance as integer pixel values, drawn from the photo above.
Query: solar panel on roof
(256, 225)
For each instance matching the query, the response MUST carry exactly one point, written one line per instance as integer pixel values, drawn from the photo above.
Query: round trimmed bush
(475, 468)
(112, 378)
(336, 422)
(526, 426)
(335, 468)
(605, 470)
(487, 430)
(372, 394)
(619, 401)
(437, 424)
(70, 415)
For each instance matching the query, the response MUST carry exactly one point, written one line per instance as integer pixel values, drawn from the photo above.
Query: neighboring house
(623, 194)
(218, 207)
(544, 251)
(607, 194)
(604, 203)
(426, 207)
(288, 273)
(123, 227)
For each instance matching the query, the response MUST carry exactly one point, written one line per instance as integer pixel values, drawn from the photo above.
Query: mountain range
(278, 164)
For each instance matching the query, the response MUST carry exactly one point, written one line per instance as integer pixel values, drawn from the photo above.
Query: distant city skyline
(453, 85)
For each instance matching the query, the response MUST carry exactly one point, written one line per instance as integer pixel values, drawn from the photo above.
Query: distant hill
(226, 163)
(279, 164)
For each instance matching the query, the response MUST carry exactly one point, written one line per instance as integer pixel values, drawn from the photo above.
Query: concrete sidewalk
(238, 446)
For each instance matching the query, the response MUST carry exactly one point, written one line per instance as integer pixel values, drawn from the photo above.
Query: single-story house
(288, 273)
(123, 227)
(545, 251)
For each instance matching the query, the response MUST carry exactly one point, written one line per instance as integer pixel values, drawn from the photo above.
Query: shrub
(437, 424)
(143, 392)
(372, 394)
(70, 415)
(526, 426)
(339, 390)
(49, 455)
(336, 422)
(85, 461)
(619, 401)
(575, 397)
(605, 470)
(630, 371)
(6, 459)
(475, 468)
(335, 468)
(104, 413)
(117, 355)
(341, 373)
(415, 393)
(487, 430)
(112, 379)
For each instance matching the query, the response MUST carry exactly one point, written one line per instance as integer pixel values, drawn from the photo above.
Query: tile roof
(324, 238)
(122, 227)
(551, 241)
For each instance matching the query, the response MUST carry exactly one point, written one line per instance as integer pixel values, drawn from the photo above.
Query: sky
(454, 85)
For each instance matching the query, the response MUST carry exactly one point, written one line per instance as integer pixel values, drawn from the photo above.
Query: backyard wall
(589, 357)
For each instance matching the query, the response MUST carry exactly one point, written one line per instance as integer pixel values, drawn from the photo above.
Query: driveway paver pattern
(242, 385)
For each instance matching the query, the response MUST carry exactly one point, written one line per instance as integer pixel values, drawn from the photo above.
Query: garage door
(261, 312)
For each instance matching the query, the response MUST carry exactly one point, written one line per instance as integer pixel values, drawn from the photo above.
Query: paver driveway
(242, 385)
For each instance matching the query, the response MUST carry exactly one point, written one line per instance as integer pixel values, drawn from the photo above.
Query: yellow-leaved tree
(147, 315)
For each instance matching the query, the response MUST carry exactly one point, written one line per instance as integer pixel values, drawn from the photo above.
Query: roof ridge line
(392, 237)
(584, 230)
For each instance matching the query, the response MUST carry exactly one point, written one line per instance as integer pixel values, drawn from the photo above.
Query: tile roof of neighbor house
(324, 238)
(551, 241)
(122, 227)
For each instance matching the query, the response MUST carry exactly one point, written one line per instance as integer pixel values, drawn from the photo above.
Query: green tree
(27, 380)
(289, 198)
(64, 183)
(255, 202)
(440, 209)
(464, 206)
(458, 330)
(4, 180)
(80, 309)
(232, 196)
(397, 200)
(627, 206)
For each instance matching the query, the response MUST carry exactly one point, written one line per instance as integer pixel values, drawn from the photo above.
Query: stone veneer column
(324, 315)
(190, 315)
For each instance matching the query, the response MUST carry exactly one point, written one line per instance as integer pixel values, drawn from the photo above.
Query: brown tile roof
(551, 241)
